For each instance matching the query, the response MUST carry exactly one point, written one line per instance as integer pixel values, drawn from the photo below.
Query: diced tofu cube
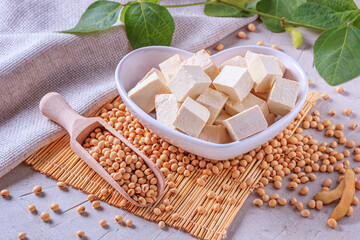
(270, 119)
(158, 72)
(215, 134)
(220, 119)
(191, 117)
(203, 59)
(189, 81)
(283, 96)
(264, 70)
(166, 107)
(249, 56)
(235, 82)
(143, 94)
(170, 66)
(263, 96)
(246, 123)
(281, 65)
(214, 101)
(237, 61)
(234, 107)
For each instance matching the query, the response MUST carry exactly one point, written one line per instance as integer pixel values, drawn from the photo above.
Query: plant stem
(187, 5)
(126, 4)
(273, 17)
(285, 21)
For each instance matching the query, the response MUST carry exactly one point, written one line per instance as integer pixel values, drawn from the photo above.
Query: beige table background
(250, 223)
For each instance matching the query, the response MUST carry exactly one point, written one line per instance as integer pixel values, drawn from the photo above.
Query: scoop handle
(56, 108)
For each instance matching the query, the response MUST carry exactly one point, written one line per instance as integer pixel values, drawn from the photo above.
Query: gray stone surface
(250, 223)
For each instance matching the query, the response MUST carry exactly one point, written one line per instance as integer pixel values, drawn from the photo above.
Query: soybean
(22, 235)
(32, 208)
(91, 197)
(347, 111)
(340, 89)
(319, 205)
(161, 224)
(95, 204)
(332, 222)
(311, 203)
(61, 185)
(275, 46)
(305, 213)
(81, 209)
(327, 182)
(119, 218)
(241, 35)
(299, 206)
(201, 210)
(54, 207)
(5, 193)
(258, 202)
(175, 216)
(251, 27)
(304, 190)
(45, 216)
(272, 203)
(282, 201)
(293, 201)
(80, 233)
(232, 200)
(219, 46)
(37, 189)
(217, 207)
(350, 211)
(102, 222)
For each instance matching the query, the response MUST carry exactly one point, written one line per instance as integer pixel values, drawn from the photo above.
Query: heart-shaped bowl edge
(197, 146)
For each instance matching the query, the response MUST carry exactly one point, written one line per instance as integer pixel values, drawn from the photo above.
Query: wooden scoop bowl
(55, 107)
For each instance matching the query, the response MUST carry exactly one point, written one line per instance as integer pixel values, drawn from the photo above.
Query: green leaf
(326, 16)
(123, 12)
(337, 54)
(223, 10)
(337, 5)
(279, 8)
(356, 22)
(122, 16)
(148, 24)
(252, 4)
(99, 16)
(153, 1)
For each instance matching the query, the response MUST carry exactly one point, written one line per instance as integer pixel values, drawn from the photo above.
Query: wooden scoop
(55, 107)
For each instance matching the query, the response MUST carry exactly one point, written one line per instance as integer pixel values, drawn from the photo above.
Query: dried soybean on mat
(192, 177)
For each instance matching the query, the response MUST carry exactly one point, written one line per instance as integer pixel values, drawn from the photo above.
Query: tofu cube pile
(221, 104)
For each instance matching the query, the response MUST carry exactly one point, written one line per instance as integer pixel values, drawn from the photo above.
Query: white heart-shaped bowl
(133, 67)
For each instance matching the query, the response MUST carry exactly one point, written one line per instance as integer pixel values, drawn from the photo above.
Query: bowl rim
(153, 122)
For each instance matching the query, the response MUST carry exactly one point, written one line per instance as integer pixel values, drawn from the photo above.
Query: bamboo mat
(59, 162)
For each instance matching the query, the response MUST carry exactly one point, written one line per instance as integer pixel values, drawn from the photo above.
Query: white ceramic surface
(136, 64)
